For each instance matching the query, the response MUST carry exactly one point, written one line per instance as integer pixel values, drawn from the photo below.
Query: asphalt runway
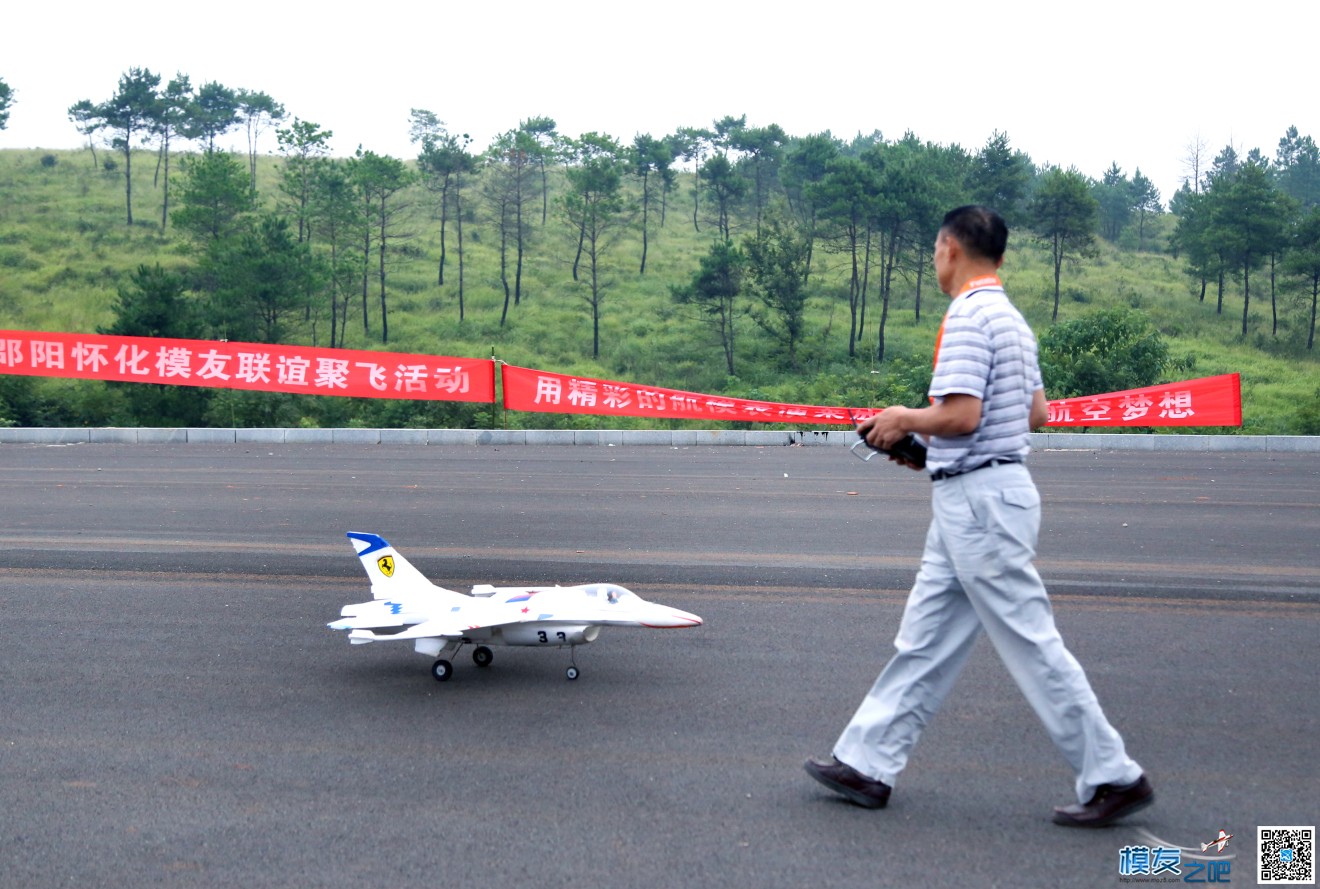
(174, 711)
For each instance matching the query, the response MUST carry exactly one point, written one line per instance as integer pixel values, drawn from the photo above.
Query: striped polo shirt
(987, 350)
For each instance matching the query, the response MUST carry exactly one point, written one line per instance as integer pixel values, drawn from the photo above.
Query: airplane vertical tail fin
(390, 573)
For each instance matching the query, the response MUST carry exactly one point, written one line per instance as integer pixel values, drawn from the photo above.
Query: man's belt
(941, 474)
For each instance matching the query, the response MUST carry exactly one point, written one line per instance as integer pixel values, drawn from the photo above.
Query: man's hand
(948, 416)
(866, 429)
(885, 429)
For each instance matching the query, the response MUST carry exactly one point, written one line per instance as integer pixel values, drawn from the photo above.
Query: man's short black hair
(980, 230)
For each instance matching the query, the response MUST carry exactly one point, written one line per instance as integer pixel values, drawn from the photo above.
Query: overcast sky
(1077, 84)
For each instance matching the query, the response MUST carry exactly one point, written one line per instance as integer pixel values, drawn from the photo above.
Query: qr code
(1287, 855)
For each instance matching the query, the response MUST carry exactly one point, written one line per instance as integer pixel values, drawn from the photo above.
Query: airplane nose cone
(664, 617)
(682, 619)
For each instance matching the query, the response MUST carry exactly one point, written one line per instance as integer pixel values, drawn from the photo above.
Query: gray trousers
(976, 573)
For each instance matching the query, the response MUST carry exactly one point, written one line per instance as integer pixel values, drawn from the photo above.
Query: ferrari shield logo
(386, 565)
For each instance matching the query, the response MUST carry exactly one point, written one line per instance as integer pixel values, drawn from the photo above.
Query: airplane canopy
(610, 592)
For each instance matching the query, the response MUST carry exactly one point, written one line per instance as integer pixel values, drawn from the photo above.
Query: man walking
(976, 573)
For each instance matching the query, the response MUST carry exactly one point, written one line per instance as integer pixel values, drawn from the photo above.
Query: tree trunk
(1058, 268)
(880, 338)
(1274, 306)
(444, 220)
(854, 296)
(921, 269)
(334, 296)
(1315, 297)
(646, 207)
(366, 279)
(458, 222)
(811, 246)
(504, 271)
(696, 193)
(252, 152)
(518, 244)
(582, 238)
(165, 203)
(595, 307)
(866, 284)
(890, 253)
(384, 315)
(1246, 294)
(727, 311)
(545, 192)
(128, 176)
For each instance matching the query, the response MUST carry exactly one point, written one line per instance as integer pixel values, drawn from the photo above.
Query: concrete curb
(679, 438)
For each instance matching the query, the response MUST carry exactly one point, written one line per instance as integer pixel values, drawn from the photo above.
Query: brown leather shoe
(844, 779)
(1109, 803)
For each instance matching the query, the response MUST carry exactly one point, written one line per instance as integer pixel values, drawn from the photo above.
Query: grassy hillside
(65, 249)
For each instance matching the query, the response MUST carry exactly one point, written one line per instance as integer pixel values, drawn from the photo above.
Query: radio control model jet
(439, 622)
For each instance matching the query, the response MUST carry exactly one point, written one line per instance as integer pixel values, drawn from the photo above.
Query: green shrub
(1106, 351)
(1306, 421)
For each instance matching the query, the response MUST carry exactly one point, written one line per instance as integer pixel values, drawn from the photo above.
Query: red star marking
(525, 610)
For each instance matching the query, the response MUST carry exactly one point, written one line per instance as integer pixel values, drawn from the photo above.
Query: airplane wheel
(482, 656)
(442, 670)
(572, 673)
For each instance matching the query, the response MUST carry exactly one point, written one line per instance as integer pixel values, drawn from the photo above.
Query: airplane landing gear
(441, 670)
(482, 656)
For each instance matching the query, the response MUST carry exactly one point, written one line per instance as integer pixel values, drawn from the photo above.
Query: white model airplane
(405, 605)
(1219, 843)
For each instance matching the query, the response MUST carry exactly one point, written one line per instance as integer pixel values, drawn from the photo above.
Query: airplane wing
(384, 619)
(603, 604)
(427, 629)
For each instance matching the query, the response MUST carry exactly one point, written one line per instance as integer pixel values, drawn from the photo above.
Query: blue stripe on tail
(373, 541)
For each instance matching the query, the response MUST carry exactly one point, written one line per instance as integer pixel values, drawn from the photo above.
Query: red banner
(539, 390)
(1213, 401)
(1209, 401)
(260, 367)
